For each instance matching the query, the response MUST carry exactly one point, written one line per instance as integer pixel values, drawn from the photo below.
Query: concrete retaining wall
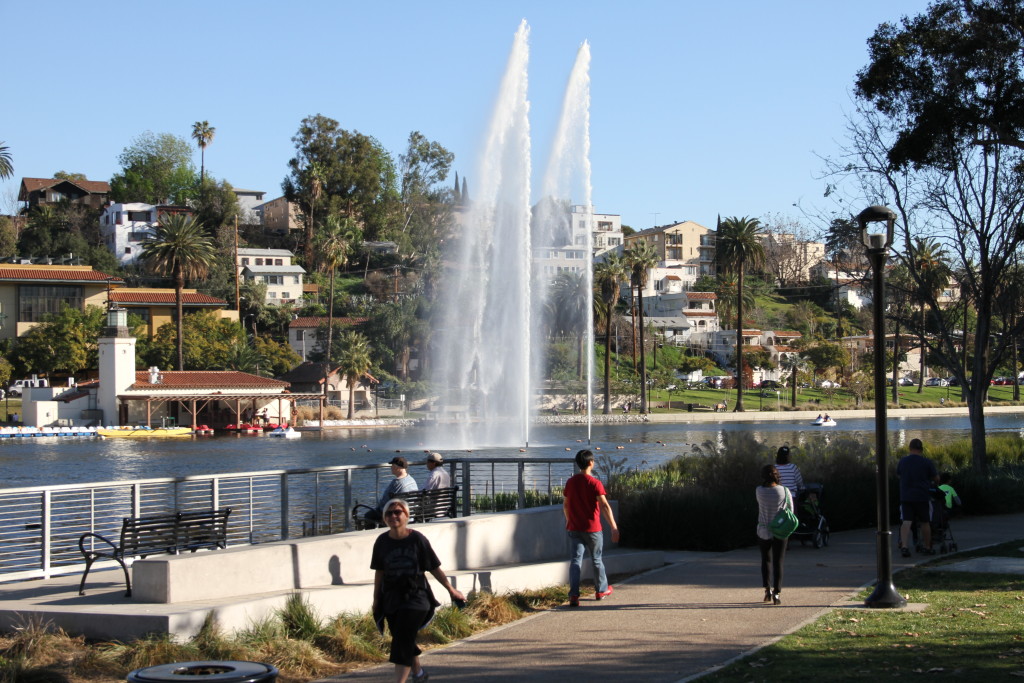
(472, 543)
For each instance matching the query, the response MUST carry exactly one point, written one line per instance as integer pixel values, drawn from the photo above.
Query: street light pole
(877, 247)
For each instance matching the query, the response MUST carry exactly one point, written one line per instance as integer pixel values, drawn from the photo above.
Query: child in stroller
(945, 504)
(813, 525)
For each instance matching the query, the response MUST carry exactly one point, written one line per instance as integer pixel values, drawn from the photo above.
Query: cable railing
(40, 526)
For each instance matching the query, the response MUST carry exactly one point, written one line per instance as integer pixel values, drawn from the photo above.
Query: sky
(698, 109)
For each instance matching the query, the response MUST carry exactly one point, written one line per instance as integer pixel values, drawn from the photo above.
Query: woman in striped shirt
(789, 474)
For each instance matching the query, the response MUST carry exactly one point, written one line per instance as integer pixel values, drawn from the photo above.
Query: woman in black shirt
(400, 590)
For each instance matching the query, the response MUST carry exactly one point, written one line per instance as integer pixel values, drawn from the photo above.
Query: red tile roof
(787, 333)
(699, 313)
(701, 295)
(94, 186)
(205, 379)
(40, 272)
(313, 322)
(128, 296)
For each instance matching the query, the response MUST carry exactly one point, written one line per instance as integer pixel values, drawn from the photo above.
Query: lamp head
(877, 241)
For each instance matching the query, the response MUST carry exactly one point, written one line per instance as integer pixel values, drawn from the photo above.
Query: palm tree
(567, 307)
(6, 164)
(929, 259)
(608, 276)
(202, 133)
(333, 246)
(726, 291)
(315, 176)
(353, 363)
(793, 364)
(739, 245)
(641, 257)
(180, 249)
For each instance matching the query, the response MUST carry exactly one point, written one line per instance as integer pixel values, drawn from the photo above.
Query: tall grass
(705, 500)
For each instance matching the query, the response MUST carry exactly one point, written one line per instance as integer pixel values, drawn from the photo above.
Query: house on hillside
(679, 244)
(274, 268)
(123, 227)
(304, 336)
(279, 216)
(35, 192)
(28, 292)
(157, 307)
(316, 378)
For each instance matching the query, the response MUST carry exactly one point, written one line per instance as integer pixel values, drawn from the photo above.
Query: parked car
(953, 382)
(906, 382)
(20, 384)
(828, 384)
(718, 381)
(936, 382)
(772, 384)
(1002, 381)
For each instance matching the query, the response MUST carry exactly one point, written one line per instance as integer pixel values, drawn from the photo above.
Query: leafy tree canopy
(155, 169)
(65, 342)
(207, 342)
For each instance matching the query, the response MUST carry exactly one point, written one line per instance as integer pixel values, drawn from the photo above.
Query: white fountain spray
(485, 340)
(567, 178)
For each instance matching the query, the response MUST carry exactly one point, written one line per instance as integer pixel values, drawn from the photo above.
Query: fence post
(467, 490)
(522, 486)
(348, 500)
(284, 507)
(46, 517)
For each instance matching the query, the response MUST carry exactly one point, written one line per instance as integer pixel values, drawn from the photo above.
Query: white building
(273, 267)
(605, 234)
(123, 227)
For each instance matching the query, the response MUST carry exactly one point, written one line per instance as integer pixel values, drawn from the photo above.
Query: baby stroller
(813, 526)
(942, 535)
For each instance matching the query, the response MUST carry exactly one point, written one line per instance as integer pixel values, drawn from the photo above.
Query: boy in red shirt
(585, 501)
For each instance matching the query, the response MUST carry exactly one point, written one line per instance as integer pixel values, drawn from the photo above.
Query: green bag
(784, 522)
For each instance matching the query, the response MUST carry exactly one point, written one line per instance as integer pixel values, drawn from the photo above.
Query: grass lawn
(971, 630)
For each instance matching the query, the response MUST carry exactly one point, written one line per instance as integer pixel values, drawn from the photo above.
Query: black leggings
(404, 624)
(776, 549)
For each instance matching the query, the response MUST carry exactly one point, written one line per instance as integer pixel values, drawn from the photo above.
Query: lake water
(38, 462)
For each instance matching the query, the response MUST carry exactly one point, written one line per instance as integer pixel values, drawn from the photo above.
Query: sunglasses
(396, 511)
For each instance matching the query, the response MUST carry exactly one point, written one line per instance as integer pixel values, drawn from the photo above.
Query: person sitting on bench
(402, 483)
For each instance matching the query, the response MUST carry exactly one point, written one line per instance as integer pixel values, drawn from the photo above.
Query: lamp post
(877, 246)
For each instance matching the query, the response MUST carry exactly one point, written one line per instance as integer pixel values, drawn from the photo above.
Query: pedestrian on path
(772, 496)
(917, 477)
(789, 474)
(584, 502)
(401, 595)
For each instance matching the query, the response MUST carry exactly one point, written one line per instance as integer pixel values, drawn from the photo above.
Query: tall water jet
(564, 219)
(482, 367)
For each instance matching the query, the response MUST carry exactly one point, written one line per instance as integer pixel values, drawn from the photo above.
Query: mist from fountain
(488, 350)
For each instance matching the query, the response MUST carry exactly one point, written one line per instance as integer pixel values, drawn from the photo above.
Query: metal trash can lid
(221, 672)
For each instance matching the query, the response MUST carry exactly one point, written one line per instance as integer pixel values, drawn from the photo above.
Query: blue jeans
(594, 543)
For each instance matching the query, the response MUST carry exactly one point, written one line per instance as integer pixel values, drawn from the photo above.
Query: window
(286, 295)
(37, 301)
(140, 216)
(278, 262)
(272, 295)
(245, 261)
(614, 241)
(259, 262)
(127, 250)
(296, 280)
(274, 279)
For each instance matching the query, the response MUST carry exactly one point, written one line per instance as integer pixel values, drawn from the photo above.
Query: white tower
(117, 362)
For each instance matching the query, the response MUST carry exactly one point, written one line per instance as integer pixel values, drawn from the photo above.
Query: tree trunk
(179, 286)
(608, 364)
(352, 397)
(924, 354)
(895, 363)
(739, 341)
(643, 355)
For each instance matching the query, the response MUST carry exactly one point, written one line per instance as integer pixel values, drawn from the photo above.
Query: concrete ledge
(490, 540)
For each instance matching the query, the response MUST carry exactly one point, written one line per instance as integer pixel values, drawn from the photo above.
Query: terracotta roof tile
(205, 379)
(701, 295)
(128, 296)
(313, 322)
(15, 271)
(787, 333)
(699, 313)
(94, 186)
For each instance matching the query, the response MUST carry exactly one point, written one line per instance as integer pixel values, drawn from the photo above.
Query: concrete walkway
(681, 621)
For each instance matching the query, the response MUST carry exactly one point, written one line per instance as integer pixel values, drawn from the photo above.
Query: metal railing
(40, 526)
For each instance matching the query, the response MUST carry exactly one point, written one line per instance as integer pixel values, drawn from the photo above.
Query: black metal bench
(156, 534)
(424, 505)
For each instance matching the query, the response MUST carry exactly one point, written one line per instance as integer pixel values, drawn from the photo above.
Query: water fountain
(487, 351)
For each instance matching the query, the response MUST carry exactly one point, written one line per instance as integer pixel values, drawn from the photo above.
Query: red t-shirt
(581, 492)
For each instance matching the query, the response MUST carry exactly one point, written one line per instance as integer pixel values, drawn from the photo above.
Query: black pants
(404, 624)
(775, 550)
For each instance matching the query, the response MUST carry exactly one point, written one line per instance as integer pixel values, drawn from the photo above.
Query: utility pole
(237, 290)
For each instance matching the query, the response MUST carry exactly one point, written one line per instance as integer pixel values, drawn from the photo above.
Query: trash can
(689, 407)
(208, 672)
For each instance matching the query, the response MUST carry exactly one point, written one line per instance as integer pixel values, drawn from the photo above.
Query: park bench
(423, 506)
(156, 534)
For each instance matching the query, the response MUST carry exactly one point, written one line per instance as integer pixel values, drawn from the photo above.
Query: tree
(333, 247)
(179, 249)
(738, 246)
(64, 342)
(6, 162)
(641, 257)
(426, 203)
(73, 177)
(608, 277)
(202, 133)
(929, 258)
(217, 204)
(353, 363)
(826, 356)
(8, 238)
(938, 138)
(155, 169)
(568, 301)
(793, 364)
(209, 342)
(353, 172)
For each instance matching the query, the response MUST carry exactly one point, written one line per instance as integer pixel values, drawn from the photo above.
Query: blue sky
(698, 109)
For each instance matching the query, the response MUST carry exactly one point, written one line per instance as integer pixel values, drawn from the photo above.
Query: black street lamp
(877, 245)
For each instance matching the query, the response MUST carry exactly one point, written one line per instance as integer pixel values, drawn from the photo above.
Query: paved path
(676, 622)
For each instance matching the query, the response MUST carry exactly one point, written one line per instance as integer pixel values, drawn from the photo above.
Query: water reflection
(78, 460)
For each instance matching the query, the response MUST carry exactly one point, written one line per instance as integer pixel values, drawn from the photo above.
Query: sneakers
(767, 594)
(422, 677)
(905, 552)
(574, 601)
(776, 599)
(604, 594)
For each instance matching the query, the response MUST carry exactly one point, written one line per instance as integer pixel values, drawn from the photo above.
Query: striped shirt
(790, 477)
(770, 499)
